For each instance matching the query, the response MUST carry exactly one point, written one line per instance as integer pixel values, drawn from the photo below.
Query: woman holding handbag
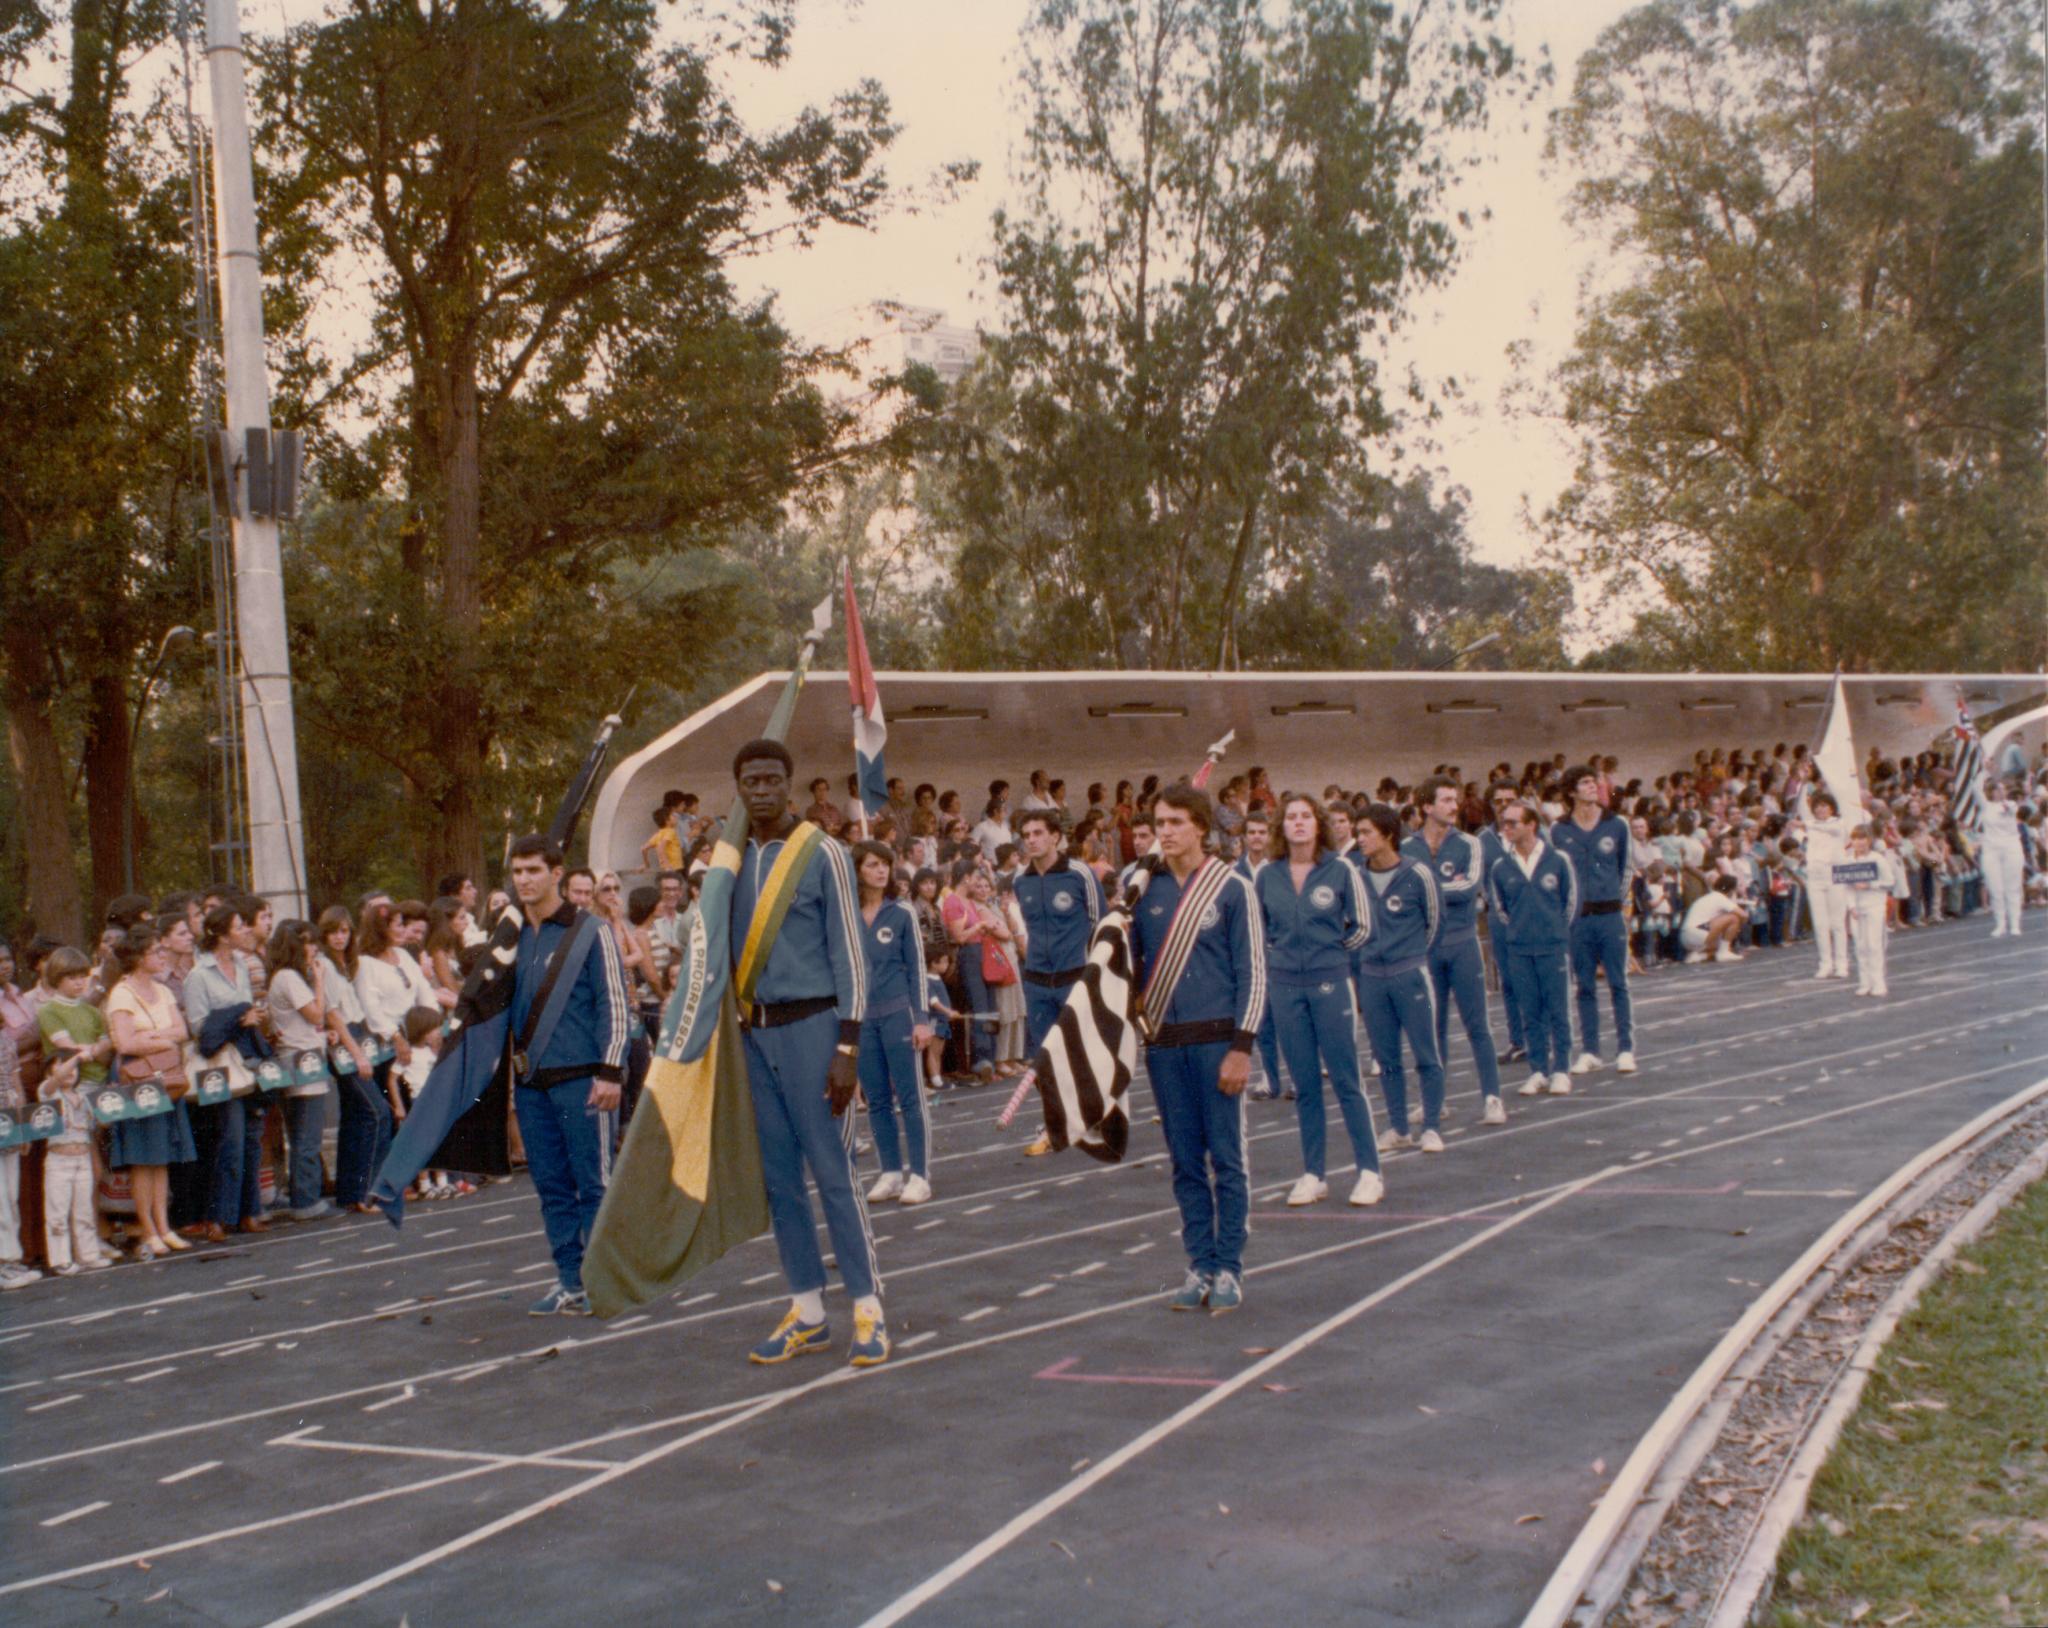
(966, 928)
(220, 997)
(386, 994)
(149, 1035)
(1002, 954)
(298, 1014)
(365, 1125)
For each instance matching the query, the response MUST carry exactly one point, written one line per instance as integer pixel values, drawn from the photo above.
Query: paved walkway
(1405, 1424)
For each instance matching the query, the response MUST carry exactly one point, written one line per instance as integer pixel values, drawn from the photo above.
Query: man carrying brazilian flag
(774, 980)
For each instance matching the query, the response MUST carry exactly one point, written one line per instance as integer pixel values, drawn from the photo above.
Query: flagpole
(734, 831)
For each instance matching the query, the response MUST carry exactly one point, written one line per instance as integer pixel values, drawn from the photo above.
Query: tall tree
(95, 366)
(1225, 205)
(566, 376)
(1809, 406)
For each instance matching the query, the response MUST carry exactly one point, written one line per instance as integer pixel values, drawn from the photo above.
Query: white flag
(1836, 755)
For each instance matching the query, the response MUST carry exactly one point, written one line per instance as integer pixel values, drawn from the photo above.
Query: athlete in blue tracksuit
(803, 1030)
(1597, 844)
(1458, 863)
(566, 1081)
(1316, 917)
(1395, 993)
(1533, 893)
(893, 1033)
(1249, 867)
(1493, 846)
(1198, 1046)
(1061, 902)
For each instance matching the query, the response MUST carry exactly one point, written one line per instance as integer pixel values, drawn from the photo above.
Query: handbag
(995, 965)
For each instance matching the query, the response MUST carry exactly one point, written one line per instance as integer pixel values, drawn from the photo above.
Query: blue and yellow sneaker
(870, 1348)
(1225, 1294)
(792, 1338)
(1194, 1293)
(561, 1302)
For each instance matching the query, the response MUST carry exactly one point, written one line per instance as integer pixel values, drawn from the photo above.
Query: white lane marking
(396, 1305)
(1018, 1198)
(699, 1299)
(977, 1316)
(324, 1260)
(438, 1232)
(472, 1283)
(916, 1340)
(154, 1373)
(405, 1395)
(247, 1345)
(9, 1339)
(499, 1220)
(55, 1402)
(926, 1226)
(1068, 1181)
(73, 1514)
(1139, 1249)
(495, 1460)
(1083, 1271)
(628, 1322)
(379, 1249)
(537, 1266)
(1036, 1290)
(759, 1277)
(981, 1209)
(186, 1475)
(1052, 1503)
(243, 1283)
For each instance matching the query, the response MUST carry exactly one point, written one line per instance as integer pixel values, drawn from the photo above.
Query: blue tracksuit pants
(1269, 1049)
(1318, 1030)
(1205, 1141)
(1546, 1025)
(1393, 1006)
(569, 1156)
(1459, 975)
(1041, 1012)
(888, 1079)
(786, 1069)
(1602, 941)
(1510, 997)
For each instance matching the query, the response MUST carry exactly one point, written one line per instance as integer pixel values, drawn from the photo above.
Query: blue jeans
(1459, 975)
(786, 1070)
(1597, 942)
(569, 1156)
(1205, 1141)
(1547, 1026)
(1404, 1004)
(304, 1119)
(1317, 1031)
(365, 1134)
(888, 1079)
(235, 1193)
(981, 1037)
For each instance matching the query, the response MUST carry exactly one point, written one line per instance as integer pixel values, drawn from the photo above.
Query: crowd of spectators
(252, 1027)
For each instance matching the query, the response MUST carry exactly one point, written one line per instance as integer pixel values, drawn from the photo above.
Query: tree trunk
(1247, 529)
(106, 786)
(53, 901)
(458, 731)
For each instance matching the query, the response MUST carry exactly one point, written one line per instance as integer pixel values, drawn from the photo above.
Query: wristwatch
(845, 1050)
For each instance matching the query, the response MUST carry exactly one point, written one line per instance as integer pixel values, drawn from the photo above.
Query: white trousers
(68, 1209)
(2004, 883)
(10, 1203)
(1866, 925)
(1830, 906)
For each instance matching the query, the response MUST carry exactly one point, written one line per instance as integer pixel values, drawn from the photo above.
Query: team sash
(1203, 890)
(770, 909)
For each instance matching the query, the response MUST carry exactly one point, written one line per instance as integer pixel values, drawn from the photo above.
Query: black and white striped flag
(1966, 791)
(1084, 1068)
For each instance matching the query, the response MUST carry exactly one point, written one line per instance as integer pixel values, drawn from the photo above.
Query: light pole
(173, 639)
(1457, 656)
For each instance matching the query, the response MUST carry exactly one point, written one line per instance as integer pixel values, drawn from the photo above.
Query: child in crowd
(70, 1175)
(1868, 902)
(938, 965)
(423, 1034)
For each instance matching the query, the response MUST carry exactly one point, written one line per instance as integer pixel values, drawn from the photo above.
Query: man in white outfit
(1866, 901)
(1827, 835)
(2001, 859)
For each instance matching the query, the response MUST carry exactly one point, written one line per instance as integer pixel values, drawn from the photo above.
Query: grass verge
(1933, 1508)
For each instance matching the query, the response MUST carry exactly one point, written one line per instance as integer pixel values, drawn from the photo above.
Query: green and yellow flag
(687, 1184)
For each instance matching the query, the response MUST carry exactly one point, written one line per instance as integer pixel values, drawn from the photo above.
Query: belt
(1054, 980)
(1203, 1032)
(1600, 907)
(775, 1014)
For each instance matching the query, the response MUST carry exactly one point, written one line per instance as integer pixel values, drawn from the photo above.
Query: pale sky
(949, 71)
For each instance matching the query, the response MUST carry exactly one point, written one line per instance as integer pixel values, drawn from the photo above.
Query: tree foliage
(1810, 412)
(1225, 206)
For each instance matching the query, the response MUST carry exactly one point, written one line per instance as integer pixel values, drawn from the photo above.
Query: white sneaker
(1588, 1063)
(916, 1190)
(1497, 1111)
(890, 1186)
(1825, 972)
(1534, 1084)
(1560, 1085)
(1625, 1063)
(1726, 954)
(1431, 1142)
(1392, 1141)
(1698, 957)
(1368, 1189)
(1310, 1189)
(1879, 993)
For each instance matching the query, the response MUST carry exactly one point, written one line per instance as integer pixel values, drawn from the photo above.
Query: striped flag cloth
(1966, 794)
(870, 728)
(1085, 1065)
